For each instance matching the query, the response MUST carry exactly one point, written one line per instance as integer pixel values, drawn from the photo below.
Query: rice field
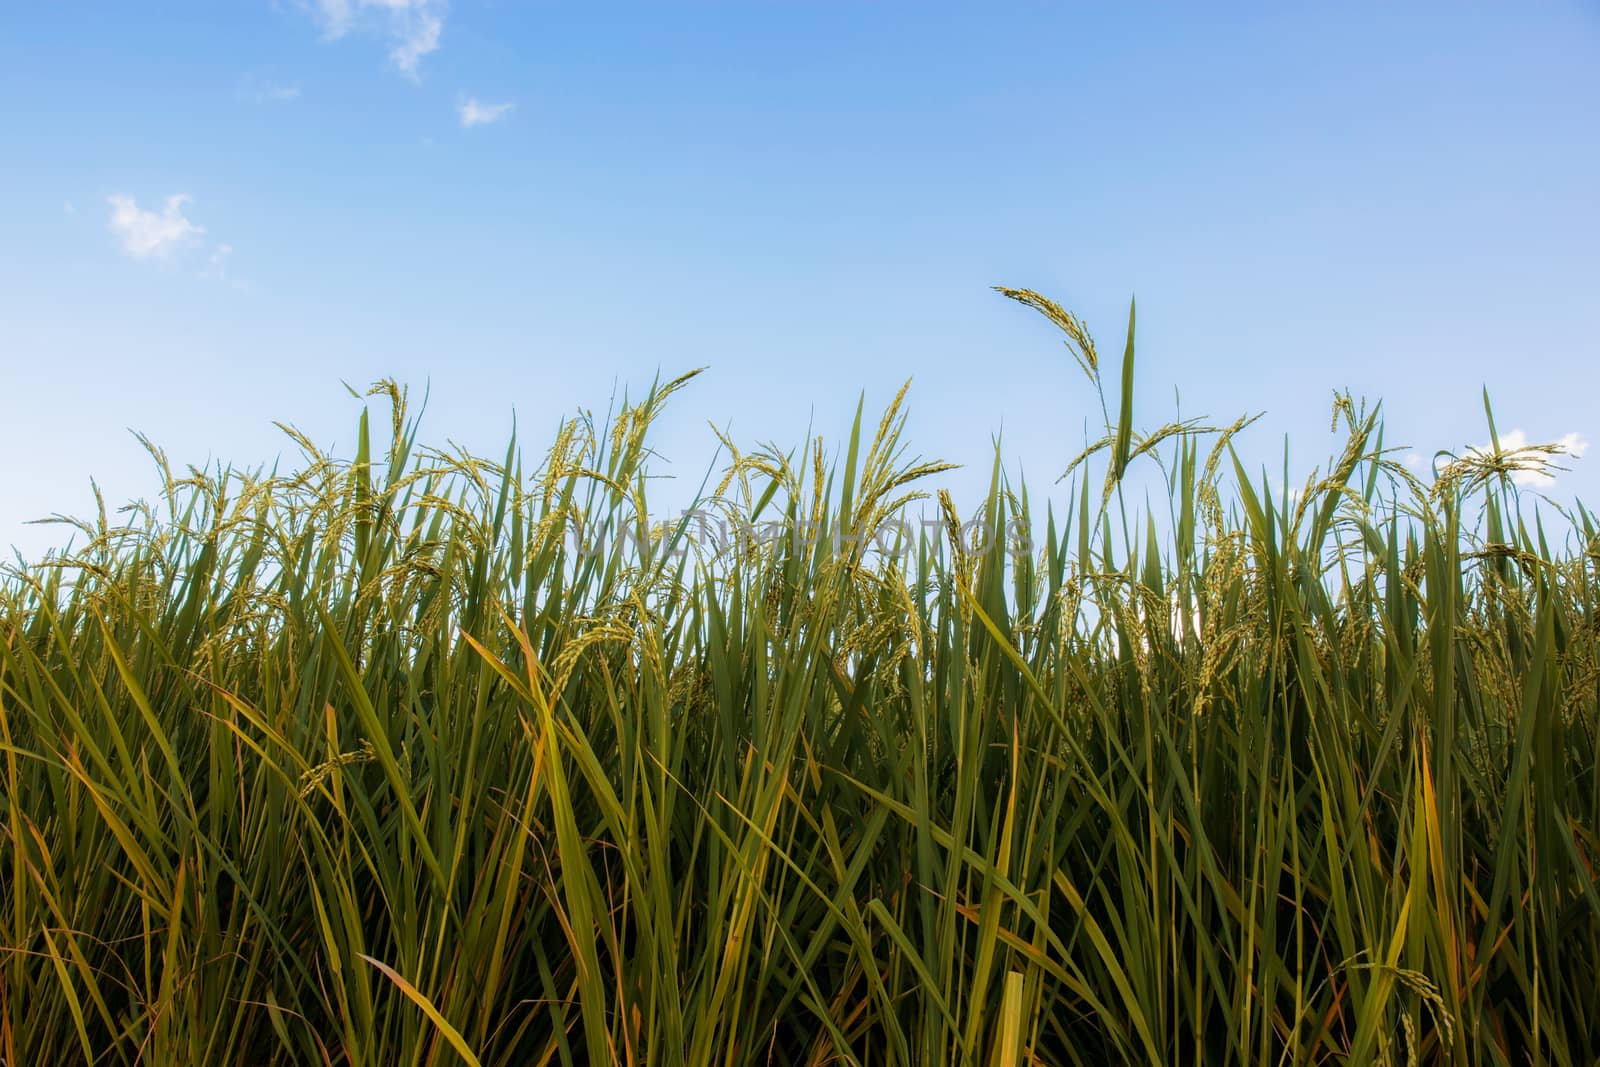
(416, 757)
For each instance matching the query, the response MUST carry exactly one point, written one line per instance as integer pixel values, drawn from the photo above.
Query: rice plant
(417, 757)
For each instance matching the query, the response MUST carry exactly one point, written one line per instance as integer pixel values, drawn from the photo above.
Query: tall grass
(369, 764)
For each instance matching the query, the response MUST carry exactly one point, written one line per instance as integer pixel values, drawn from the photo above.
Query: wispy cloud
(413, 27)
(475, 113)
(219, 261)
(266, 92)
(146, 234)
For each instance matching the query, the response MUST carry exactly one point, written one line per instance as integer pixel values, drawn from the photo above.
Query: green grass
(363, 764)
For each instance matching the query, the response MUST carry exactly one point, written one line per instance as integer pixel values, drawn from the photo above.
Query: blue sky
(810, 198)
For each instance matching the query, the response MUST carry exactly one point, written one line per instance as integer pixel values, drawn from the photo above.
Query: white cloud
(1537, 474)
(146, 234)
(412, 26)
(474, 113)
(267, 92)
(219, 260)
